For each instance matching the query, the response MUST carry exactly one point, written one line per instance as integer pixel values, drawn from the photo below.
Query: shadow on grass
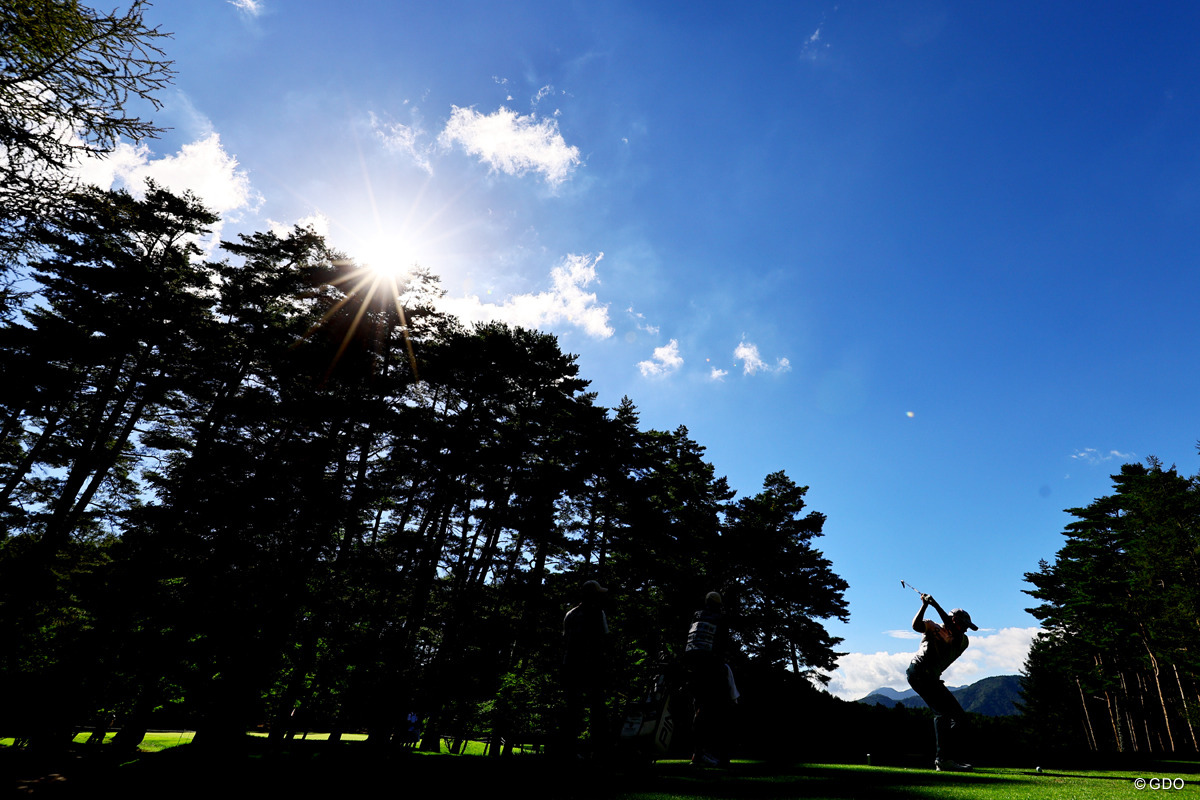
(357, 769)
(811, 781)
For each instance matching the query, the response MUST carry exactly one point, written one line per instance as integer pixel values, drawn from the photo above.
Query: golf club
(910, 586)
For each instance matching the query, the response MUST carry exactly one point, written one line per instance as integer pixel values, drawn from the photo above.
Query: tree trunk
(31, 456)
(1187, 715)
(1087, 718)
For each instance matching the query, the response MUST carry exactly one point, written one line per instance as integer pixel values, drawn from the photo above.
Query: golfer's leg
(924, 689)
(946, 713)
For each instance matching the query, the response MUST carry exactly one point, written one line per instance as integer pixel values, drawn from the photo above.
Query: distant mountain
(887, 697)
(994, 697)
(892, 694)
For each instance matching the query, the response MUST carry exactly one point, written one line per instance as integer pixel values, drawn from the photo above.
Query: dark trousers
(947, 712)
(708, 682)
(586, 707)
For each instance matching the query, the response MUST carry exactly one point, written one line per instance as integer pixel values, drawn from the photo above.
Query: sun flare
(389, 257)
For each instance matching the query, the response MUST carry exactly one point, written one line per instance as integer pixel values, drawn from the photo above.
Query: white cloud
(317, 221)
(640, 323)
(748, 354)
(717, 374)
(403, 139)
(906, 633)
(193, 121)
(252, 7)
(858, 674)
(814, 46)
(753, 363)
(1091, 455)
(1001, 652)
(566, 302)
(124, 160)
(202, 167)
(512, 144)
(666, 359)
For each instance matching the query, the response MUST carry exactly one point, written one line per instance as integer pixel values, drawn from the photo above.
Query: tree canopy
(272, 488)
(1116, 668)
(269, 488)
(70, 80)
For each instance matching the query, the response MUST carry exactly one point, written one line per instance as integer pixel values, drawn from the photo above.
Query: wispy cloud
(567, 301)
(405, 140)
(512, 144)
(1000, 652)
(717, 374)
(639, 322)
(753, 363)
(502, 82)
(252, 7)
(905, 633)
(317, 222)
(813, 46)
(666, 359)
(1091, 455)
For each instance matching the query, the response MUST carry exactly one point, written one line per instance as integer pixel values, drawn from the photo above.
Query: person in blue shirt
(940, 646)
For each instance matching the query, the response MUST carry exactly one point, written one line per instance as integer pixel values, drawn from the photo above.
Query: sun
(388, 256)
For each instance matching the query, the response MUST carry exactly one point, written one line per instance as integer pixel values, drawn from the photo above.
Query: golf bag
(652, 720)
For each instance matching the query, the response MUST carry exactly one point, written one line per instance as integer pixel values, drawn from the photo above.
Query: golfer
(940, 646)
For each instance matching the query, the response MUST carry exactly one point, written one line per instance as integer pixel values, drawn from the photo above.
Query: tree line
(1117, 668)
(272, 487)
(277, 484)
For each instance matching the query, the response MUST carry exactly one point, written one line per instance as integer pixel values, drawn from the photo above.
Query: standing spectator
(711, 683)
(585, 633)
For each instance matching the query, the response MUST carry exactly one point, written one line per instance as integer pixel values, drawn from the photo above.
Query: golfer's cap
(593, 586)
(964, 618)
(713, 597)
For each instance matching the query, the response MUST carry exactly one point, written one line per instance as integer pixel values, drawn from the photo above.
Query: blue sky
(935, 260)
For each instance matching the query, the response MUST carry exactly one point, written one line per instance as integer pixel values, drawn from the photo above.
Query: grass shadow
(358, 769)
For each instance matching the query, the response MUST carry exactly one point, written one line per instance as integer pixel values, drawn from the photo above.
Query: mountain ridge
(996, 696)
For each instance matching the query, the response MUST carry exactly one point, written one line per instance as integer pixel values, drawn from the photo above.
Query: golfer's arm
(919, 620)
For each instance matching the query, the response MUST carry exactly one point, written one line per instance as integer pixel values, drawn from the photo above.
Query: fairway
(839, 782)
(355, 770)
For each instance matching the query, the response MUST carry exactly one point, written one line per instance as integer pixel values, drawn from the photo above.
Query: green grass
(359, 770)
(469, 748)
(837, 782)
(153, 743)
(318, 737)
